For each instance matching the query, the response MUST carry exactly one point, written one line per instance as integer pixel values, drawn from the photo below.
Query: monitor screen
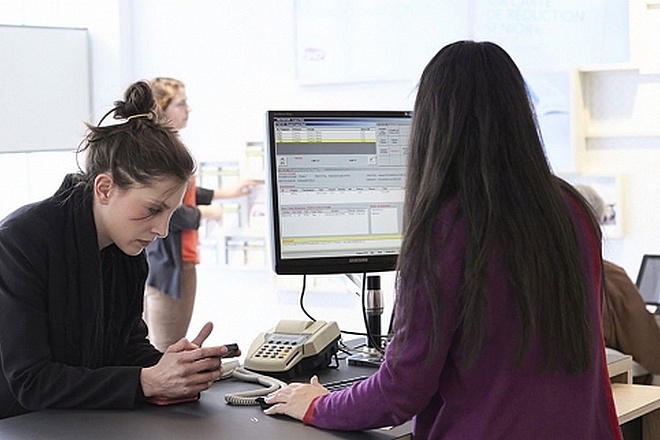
(337, 181)
(648, 279)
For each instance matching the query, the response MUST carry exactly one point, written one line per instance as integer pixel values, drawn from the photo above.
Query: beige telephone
(292, 347)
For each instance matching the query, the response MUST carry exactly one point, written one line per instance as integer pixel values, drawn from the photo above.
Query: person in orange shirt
(172, 282)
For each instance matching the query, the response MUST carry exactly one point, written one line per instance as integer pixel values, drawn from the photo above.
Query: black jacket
(71, 329)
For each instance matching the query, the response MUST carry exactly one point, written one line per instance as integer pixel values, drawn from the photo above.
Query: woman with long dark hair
(497, 329)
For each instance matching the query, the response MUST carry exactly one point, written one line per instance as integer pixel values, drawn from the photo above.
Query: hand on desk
(186, 368)
(294, 400)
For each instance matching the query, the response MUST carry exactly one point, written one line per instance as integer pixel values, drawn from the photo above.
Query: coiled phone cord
(247, 398)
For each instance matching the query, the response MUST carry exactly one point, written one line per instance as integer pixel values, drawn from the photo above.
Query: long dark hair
(139, 150)
(475, 138)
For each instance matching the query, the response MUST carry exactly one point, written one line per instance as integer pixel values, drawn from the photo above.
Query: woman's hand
(203, 334)
(186, 369)
(294, 400)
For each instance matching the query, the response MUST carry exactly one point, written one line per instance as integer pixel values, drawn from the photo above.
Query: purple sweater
(492, 400)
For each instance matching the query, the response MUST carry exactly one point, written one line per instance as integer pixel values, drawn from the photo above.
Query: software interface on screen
(340, 184)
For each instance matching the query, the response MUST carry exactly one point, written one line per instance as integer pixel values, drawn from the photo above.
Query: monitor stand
(368, 355)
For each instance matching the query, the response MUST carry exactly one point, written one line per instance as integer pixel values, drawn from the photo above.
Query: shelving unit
(240, 239)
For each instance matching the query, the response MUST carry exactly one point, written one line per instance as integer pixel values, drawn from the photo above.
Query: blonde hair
(165, 89)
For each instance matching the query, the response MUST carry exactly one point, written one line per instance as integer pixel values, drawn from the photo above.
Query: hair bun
(138, 99)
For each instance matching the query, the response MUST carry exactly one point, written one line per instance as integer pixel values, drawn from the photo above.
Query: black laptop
(648, 282)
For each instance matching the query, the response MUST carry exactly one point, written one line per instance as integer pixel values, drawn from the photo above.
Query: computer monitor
(337, 181)
(648, 280)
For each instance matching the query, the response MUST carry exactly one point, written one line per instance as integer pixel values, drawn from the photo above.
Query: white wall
(27, 177)
(640, 182)
(110, 36)
(238, 60)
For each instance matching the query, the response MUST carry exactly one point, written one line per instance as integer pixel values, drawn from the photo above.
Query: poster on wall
(557, 33)
(348, 41)
(344, 41)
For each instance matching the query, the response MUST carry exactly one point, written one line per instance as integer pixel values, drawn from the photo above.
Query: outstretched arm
(243, 188)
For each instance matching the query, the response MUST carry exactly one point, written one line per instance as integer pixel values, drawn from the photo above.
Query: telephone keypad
(279, 345)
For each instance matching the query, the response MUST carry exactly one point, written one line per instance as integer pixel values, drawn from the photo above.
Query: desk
(635, 401)
(209, 418)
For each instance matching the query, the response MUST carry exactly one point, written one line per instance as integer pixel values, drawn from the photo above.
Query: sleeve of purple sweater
(389, 397)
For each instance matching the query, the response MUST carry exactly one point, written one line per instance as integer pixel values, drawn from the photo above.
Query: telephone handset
(292, 347)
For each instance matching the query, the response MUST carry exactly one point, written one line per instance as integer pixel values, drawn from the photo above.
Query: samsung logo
(358, 260)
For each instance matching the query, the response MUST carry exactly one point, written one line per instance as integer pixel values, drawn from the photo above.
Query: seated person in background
(627, 325)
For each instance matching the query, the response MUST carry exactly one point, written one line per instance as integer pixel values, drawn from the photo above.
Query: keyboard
(344, 383)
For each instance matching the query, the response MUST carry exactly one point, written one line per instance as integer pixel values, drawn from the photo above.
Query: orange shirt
(190, 237)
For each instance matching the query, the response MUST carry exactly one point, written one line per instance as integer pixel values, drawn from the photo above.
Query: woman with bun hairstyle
(72, 275)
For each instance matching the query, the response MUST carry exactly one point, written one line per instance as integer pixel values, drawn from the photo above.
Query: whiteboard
(44, 88)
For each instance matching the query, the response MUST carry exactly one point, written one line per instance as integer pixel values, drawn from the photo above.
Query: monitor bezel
(642, 269)
(319, 265)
